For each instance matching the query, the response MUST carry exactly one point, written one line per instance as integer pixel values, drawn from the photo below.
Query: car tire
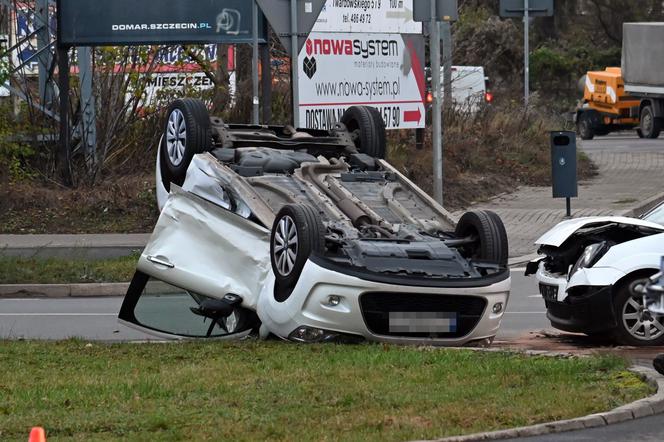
(639, 133)
(651, 126)
(368, 128)
(186, 133)
(584, 127)
(302, 224)
(491, 244)
(629, 312)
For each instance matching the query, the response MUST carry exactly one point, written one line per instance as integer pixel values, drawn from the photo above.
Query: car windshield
(656, 215)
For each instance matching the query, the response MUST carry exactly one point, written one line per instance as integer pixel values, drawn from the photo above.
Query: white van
(468, 87)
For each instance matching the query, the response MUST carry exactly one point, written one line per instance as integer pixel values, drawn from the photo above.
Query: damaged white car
(588, 272)
(310, 236)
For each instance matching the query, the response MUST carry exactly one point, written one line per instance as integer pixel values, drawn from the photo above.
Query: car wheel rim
(285, 245)
(231, 322)
(176, 137)
(646, 123)
(639, 322)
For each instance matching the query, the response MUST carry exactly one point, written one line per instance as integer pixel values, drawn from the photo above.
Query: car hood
(563, 230)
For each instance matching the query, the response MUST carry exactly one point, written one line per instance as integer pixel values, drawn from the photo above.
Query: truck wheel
(636, 325)
(296, 233)
(584, 127)
(650, 125)
(186, 133)
(490, 237)
(368, 129)
(603, 130)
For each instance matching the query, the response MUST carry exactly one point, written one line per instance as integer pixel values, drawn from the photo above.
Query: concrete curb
(83, 246)
(63, 290)
(646, 205)
(521, 260)
(643, 407)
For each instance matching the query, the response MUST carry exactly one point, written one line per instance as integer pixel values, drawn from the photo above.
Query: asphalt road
(623, 142)
(638, 430)
(96, 318)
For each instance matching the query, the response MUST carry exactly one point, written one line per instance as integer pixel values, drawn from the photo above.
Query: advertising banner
(338, 70)
(178, 83)
(378, 16)
(120, 22)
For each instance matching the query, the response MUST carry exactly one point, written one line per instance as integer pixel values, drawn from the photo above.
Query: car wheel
(186, 133)
(584, 127)
(490, 237)
(636, 325)
(650, 126)
(368, 129)
(296, 233)
(640, 133)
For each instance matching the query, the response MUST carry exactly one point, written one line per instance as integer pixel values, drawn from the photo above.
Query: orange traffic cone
(37, 434)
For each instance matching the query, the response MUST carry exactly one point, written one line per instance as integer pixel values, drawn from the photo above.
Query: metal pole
(526, 53)
(446, 38)
(45, 58)
(437, 126)
(254, 70)
(266, 81)
(294, 54)
(568, 204)
(88, 114)
(64, 167)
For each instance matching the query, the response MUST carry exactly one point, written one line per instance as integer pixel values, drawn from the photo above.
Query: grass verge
(65, 271)
(276, 391)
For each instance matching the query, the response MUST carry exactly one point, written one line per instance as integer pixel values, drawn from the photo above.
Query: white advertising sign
(395, 16)
(178, 82)
(380, 70)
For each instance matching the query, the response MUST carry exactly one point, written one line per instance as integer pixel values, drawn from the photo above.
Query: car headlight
(590, 256)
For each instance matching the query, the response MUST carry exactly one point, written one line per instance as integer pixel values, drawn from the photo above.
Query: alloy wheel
(639, 322)
(285, 245)
(176, 137)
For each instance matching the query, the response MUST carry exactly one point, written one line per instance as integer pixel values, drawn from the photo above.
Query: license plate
(549, 292)
(423, 322)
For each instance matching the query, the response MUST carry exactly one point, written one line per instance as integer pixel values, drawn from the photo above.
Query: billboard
(381, 16)
(129, 22)
(338, 70)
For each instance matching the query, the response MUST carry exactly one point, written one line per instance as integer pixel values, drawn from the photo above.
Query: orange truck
(606, 107)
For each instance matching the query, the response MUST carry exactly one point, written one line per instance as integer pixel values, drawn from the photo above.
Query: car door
(198, 254)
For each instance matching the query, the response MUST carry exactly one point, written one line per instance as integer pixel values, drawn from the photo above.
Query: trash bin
(563, 164)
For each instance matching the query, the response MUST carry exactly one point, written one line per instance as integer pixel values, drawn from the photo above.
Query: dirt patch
(578, 344)
(115, 205)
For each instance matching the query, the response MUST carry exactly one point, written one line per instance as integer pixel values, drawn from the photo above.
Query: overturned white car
(588, 271)
(311, 236)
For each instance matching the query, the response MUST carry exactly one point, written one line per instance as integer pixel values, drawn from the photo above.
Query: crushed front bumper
(576, 308)
(590, 312)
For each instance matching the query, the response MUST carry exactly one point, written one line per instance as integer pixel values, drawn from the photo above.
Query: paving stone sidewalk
(630, 172)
